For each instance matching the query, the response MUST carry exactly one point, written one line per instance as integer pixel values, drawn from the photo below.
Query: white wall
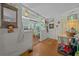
(26, 42)
(53, 10)
(57, 31)
(43, 35)
(13, 43)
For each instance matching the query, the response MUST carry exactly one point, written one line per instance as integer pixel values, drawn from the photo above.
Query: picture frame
(51, 26)
(9, 15)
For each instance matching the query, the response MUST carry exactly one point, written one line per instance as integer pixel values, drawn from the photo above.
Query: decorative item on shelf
(10, 28)
(8, 15)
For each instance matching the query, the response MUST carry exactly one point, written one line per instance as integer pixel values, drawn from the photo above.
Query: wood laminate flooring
(47, 47)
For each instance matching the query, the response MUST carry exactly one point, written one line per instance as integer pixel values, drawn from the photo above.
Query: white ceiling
(50, 10)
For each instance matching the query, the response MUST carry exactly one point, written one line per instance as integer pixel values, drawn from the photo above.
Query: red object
(67, 49)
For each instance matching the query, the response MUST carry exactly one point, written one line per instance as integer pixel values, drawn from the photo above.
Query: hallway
(47, 47)
(28, 29)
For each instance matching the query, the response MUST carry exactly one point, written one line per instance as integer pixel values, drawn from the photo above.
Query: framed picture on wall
(51, 26)
(8, 15)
